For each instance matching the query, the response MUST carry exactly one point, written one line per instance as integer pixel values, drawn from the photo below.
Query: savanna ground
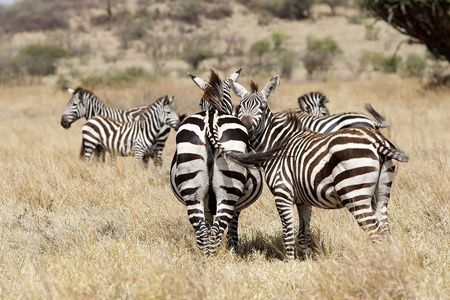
(70, 230)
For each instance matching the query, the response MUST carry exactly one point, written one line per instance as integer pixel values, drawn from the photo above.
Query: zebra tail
(393, 153)
(382, 121)
(253, 160)
(82, 151)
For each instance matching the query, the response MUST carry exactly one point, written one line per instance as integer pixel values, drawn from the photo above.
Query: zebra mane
(292, 118)
(253, 86)
(214, 92)
(145, 109)
(84, 91)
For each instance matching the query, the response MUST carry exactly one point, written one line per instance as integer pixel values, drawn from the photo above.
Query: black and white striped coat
(334, 170)
(315, 116)
(203, 177)
(137, 138)
(84, 104)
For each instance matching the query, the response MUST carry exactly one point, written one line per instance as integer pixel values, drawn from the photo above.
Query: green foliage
(414, 66)
(424, 20)
(288, 62)
(357, 19)
(195, 56)
(370, 58)
(278, 38)
(284, 9)
(320, 54)
(325, 45)
(390, 64)
(260, 47)
(128, 77)
(39, 59)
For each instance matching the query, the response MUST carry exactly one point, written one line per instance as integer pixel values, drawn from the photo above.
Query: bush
(260, 48)
(288, 62)
(278, 38)
(195, 56)
(284, 9)
(129, 76)
(320, 54)
(39, 60)
(370, 58)
(414, 66)
(390, 64)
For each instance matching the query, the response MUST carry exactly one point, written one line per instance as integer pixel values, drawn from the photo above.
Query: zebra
(84, 103)
(205, 170)
(136, 138)
(314, 104)
(254, 184)
(332, 170)
(315, 115)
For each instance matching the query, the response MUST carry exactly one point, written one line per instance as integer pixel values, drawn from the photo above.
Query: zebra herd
(308, 157)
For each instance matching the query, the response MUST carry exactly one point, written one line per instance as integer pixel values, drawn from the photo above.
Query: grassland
(69, 230)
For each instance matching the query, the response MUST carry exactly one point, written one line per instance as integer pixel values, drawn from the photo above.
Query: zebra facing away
(333, 170)
(254, 183)
(83, 103)
(207, 168)
(136, 138)
(315, 116)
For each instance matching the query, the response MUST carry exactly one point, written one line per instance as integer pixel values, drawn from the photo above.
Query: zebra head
(314, 104)
(171, 117)
(75, 109)
(253, 107)
(227, 105)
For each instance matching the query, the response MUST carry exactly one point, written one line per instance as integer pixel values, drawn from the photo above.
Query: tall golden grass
(70, 230)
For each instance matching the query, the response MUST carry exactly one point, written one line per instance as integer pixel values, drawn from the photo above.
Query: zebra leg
(157, 158)
(232, 234)
(304, 235)
(384, 193)
(285, 209)
(361, 208)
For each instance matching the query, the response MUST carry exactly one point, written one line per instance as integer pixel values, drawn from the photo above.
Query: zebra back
(83, 103)
(346, 168)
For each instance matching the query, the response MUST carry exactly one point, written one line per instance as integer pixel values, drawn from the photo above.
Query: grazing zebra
(204, 173)
(333, 170)
(136, 138)
(83, 103)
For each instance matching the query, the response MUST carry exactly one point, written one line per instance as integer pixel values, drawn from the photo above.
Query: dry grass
(70, 230)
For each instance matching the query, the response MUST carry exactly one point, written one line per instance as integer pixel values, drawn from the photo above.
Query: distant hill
(170, 38)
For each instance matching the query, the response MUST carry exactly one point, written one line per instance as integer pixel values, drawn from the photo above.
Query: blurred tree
(428, 21)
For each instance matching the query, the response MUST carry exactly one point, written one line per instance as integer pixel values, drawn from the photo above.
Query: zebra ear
(198, 81)
(171, 99)
(70, 91)
(235, 75)
(238, 89)
(271, 86)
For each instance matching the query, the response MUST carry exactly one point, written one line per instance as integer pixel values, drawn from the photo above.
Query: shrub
(284, 9)
(370, 58)
(195, 56)
(414, 66)
(260, 47)
(288, 62)
(355, 19)
(320, 54)
(39, 60)
(188, 11)
(278, 38)
(390, 64)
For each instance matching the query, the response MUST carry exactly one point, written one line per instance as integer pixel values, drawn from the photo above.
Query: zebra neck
(95, 107)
